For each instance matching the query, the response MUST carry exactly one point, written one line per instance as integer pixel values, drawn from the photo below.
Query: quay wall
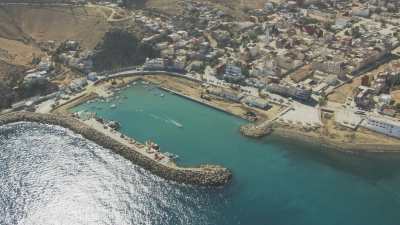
(202, 102)
(129, 73)
(204, 175)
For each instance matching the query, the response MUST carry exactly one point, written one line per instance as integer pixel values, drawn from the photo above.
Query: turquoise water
(276, 181)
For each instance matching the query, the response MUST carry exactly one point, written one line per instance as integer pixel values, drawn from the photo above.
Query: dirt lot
(341, 93)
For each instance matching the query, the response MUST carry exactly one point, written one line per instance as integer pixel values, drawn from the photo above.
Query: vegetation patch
(120, 48)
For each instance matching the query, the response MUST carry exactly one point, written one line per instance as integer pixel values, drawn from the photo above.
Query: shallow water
(52, 176)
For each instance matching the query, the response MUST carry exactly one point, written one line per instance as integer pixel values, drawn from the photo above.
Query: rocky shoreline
(347, 147)
(204, 175)
(253, 131)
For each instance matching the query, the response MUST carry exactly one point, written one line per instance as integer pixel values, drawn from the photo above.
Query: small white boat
(113, 106)
(176, 123)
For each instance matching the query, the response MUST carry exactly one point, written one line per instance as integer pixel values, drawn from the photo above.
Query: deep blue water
(52, 176)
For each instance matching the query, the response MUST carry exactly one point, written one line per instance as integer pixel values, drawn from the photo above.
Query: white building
(78, 84)
(382, 125)
(35, 76)
(256, 102)
(154, 64)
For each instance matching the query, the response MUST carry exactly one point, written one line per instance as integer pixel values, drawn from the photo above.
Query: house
(361, 12)
(33, 76)
(342, 22)
(78, 84)
(298, 93)
(364, 99)
(334, 67)
(225, 94)
(154, 64)
(266, 68)
(256, 102)
(233, 73)
(44, 65)
(92, 76)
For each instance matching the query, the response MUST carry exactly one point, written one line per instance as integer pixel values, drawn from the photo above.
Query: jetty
(203, 175)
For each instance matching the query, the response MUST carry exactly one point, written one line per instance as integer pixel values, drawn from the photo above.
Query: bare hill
(85, 24)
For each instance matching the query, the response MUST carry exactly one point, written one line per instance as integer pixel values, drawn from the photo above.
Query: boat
(176, 123)
(114, 125)
(113, 106)
(171, 155)
(162, 95)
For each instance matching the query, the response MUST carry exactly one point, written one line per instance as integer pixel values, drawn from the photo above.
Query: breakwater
(204, 175)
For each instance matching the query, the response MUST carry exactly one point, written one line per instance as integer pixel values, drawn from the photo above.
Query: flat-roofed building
(382, 125)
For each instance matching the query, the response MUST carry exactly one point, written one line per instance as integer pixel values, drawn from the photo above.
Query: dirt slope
(87, 25)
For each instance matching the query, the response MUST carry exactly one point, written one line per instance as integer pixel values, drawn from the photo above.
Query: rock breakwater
(205, 175)
(256, 131)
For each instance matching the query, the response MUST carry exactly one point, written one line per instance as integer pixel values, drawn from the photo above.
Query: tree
(7, 96)
(397, 106)
(355, 32)
(323, 101)
(120, 48)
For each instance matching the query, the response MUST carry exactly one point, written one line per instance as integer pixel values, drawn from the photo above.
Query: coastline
(205, 103)
(299, 135)
(204, 175)
(165, 82)
(346, 147)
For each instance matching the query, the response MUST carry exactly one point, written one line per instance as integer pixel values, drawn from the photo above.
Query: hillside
(85, 24)
(120, 48)
(173, 7)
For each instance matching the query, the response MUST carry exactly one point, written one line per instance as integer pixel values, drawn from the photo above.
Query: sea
(50, 175)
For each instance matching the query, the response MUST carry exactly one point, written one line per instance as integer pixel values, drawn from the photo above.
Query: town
(329, 68)
(195, 112)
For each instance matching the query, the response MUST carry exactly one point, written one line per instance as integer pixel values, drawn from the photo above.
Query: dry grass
(232, 7)
(170, 7)
(86, 25)
(17, 52)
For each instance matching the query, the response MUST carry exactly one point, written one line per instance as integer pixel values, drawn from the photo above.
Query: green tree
(323, 101)
(120, 48)
(397, 106)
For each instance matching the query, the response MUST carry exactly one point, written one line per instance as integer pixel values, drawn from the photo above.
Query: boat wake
(167, 120)
(175, 123)
(155, 117)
